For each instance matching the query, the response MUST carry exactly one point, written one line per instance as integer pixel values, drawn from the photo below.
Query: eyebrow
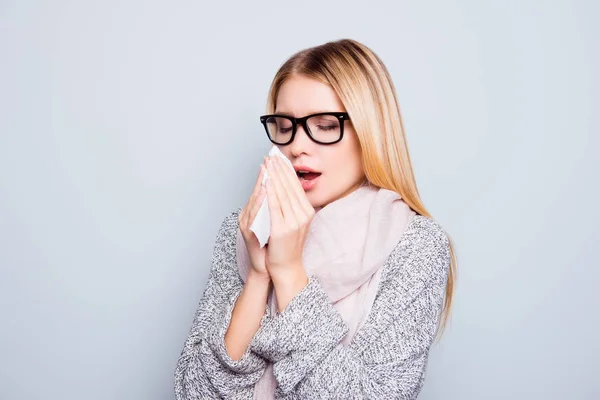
(310, 113)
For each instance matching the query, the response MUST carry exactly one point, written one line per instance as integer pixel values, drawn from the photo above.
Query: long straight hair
(365, 88)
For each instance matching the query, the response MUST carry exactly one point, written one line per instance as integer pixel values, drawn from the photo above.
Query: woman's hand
(291, 215)
(246, 217)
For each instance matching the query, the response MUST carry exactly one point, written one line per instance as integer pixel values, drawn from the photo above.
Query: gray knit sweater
(386, 359)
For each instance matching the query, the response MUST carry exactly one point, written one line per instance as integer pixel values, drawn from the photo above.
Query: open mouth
(307, 175)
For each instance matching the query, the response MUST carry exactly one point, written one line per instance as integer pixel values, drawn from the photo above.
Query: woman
(347, 297)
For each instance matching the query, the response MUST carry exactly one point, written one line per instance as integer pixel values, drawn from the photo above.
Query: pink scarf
(347, 244)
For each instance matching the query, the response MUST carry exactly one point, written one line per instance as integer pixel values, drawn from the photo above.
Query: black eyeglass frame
(341, 116)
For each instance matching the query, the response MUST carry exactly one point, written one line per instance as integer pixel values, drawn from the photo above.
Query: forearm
(344, 373)
(304, 343)
(247, 314)
(391, 364)
(205, 369)
(387, 356)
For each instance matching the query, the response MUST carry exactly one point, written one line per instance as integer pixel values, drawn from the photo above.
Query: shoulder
(223, 263)
(224, 249)
(229, 226)
(428, 230)
(423, 250)
(231, 220)
(411, 289)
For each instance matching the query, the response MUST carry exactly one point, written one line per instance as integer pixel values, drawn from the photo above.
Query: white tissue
(261, 226)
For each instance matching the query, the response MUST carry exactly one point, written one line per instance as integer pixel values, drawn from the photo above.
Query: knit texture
(386, 359)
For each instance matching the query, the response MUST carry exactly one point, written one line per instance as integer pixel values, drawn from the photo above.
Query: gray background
(128, 130)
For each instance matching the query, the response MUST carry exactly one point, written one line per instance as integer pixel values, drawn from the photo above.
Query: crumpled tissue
(261, 226)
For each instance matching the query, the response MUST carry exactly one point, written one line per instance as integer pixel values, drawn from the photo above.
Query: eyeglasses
(322, 128)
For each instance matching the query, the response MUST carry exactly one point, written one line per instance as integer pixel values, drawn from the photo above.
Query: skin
(291, 208)
(340, 164)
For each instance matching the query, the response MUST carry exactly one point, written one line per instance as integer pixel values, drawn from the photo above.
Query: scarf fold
(346, 247)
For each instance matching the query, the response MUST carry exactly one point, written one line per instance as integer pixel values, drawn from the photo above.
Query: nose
(301, 143)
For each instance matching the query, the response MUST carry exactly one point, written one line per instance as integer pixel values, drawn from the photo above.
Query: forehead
(300, 95)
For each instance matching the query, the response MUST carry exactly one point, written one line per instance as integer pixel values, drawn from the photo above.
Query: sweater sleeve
(204, 369)
(387, 357)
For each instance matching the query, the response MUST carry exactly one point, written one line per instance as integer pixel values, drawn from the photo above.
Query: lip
(304, 168)
(307, 184)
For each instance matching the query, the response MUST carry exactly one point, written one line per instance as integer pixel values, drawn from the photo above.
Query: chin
(318, 200)
(315, 199)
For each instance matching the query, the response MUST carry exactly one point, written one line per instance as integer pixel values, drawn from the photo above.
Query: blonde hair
(365, 88)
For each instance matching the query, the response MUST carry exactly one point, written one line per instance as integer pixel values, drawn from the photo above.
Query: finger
(252, 213)
(274, 207)
(257, 204)
(294, 205)
(256, 190)
(281, 190)
(295, 191)
(258, 183)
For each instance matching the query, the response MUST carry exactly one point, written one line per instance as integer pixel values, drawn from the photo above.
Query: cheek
(286, 151)
(345, 164)
(352, 155)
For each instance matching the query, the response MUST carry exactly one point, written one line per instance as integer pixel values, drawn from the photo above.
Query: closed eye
(327, 127)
